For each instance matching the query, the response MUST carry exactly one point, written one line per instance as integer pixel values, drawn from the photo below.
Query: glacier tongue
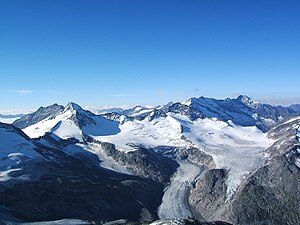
(174, 202)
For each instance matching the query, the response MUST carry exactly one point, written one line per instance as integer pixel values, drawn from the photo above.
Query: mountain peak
(190, 101)
(244, 98)
(72, 106)
(39, 115)
(248, 101)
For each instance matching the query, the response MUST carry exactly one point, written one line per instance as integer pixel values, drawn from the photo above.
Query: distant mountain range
(9, 118)
(232, 160)
(242, 111)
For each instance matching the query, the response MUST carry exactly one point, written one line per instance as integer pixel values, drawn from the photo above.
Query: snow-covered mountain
(204, 151)
(71, 122)
(242, 111)
(40, 114)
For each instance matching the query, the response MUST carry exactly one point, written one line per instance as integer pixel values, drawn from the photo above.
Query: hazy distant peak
(247, 101)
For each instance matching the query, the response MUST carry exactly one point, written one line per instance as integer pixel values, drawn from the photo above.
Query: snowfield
(161, 131)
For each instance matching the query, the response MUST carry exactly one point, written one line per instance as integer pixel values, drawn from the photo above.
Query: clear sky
(119, 52)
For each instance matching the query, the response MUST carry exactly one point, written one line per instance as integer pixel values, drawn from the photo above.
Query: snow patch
(4, 175)
(291, 120)
(297, 162)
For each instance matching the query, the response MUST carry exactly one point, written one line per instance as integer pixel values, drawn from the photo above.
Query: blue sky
(147, 51)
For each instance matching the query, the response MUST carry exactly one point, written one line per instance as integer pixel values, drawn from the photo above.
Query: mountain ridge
(206, 154)
(250, 112)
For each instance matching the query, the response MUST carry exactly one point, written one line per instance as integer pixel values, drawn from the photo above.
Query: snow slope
(62, 126)
(14, 148)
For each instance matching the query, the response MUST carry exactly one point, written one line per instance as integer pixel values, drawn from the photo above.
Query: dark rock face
(156, 113)
(186, 110)
(143, 162)
(80, 116)
(39, 115)
(285, 130)
(270, 196)
(285, 134)
(133, 110)
(79, 192)
(116, 117)
(192, 155)
(54, 199)
(83, 118)
(208, 194)
(112, 116)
